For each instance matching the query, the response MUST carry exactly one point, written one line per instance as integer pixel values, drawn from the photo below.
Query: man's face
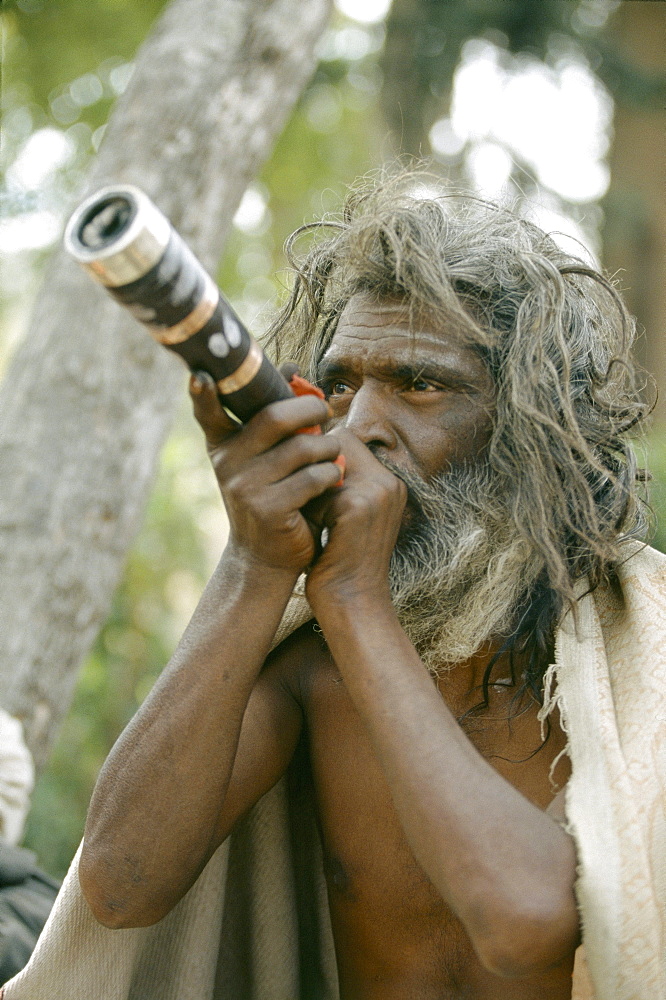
(422, 399)
(423, 402)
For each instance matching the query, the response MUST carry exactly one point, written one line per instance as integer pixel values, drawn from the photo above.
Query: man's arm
(156, 815)
(504, 866)
(160, 806)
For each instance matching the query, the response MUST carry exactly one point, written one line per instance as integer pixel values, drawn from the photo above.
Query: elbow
(111, 904)
(110, 914)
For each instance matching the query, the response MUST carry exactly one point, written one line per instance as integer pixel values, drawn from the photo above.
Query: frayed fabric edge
(552, 699)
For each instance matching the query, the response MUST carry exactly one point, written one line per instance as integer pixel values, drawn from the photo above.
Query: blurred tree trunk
(88, 399)
(408, 103)
(634, 235)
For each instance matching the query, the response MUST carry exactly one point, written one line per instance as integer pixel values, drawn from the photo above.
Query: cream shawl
(255, 926)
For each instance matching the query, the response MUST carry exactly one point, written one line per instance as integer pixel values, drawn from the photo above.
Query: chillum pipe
(126, 244)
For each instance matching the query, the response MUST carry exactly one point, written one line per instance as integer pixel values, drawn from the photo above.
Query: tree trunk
(89, 397)
(634, 235)
(408, 104)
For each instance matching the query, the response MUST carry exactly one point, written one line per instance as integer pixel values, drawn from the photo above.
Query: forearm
(154, 810)
(505, 868)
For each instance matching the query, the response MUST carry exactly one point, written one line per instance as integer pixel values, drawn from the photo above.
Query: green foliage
(438, 31)
(426, 40)
(65, 63)
(55, 42)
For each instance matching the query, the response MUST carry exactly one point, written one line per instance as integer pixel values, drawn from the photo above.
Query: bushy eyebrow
(448, 375)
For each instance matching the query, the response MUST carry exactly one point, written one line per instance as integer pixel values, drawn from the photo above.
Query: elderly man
(477, 383)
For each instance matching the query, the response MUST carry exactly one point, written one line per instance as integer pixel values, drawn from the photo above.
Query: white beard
(460, 570)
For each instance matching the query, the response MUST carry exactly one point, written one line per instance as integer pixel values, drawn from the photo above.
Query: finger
(293, 454)
(305, 485)
(289, 369)
(215, 423)
(341, 463)
(279, 421)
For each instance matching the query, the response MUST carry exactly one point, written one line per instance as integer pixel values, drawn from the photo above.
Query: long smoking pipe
(126, 244)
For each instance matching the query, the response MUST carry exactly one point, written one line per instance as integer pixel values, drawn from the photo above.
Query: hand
(363, 518)
(267, 472)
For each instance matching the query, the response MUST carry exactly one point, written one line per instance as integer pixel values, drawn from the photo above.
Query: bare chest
(395, 937)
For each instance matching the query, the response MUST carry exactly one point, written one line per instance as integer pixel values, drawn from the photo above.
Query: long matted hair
(555, 336)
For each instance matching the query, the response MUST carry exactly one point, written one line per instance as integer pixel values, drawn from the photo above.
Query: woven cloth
(256, 926)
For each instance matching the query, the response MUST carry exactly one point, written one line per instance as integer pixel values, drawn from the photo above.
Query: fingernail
(342, 465)
(289, 369)
(200, 380)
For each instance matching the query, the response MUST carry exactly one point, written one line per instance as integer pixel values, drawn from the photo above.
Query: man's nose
(369, 417)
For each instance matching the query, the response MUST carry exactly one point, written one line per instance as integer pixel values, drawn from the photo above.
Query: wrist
(251, 573)
(363, 636)
(350, 600)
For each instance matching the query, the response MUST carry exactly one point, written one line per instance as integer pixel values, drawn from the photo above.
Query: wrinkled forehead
(400, 314)
(368, 325)
(371, 312)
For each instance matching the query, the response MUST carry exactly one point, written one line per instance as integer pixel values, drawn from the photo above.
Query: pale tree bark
(634, 235)
(88, 398)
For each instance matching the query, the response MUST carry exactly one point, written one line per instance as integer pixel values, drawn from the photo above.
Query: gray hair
(552, 329)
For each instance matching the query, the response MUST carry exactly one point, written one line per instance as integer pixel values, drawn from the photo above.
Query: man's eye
(337, 389)
(422, 385)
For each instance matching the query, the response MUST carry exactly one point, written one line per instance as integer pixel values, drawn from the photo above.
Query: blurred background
(557, 107)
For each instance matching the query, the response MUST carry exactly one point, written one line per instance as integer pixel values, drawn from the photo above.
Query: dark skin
(449, 872)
